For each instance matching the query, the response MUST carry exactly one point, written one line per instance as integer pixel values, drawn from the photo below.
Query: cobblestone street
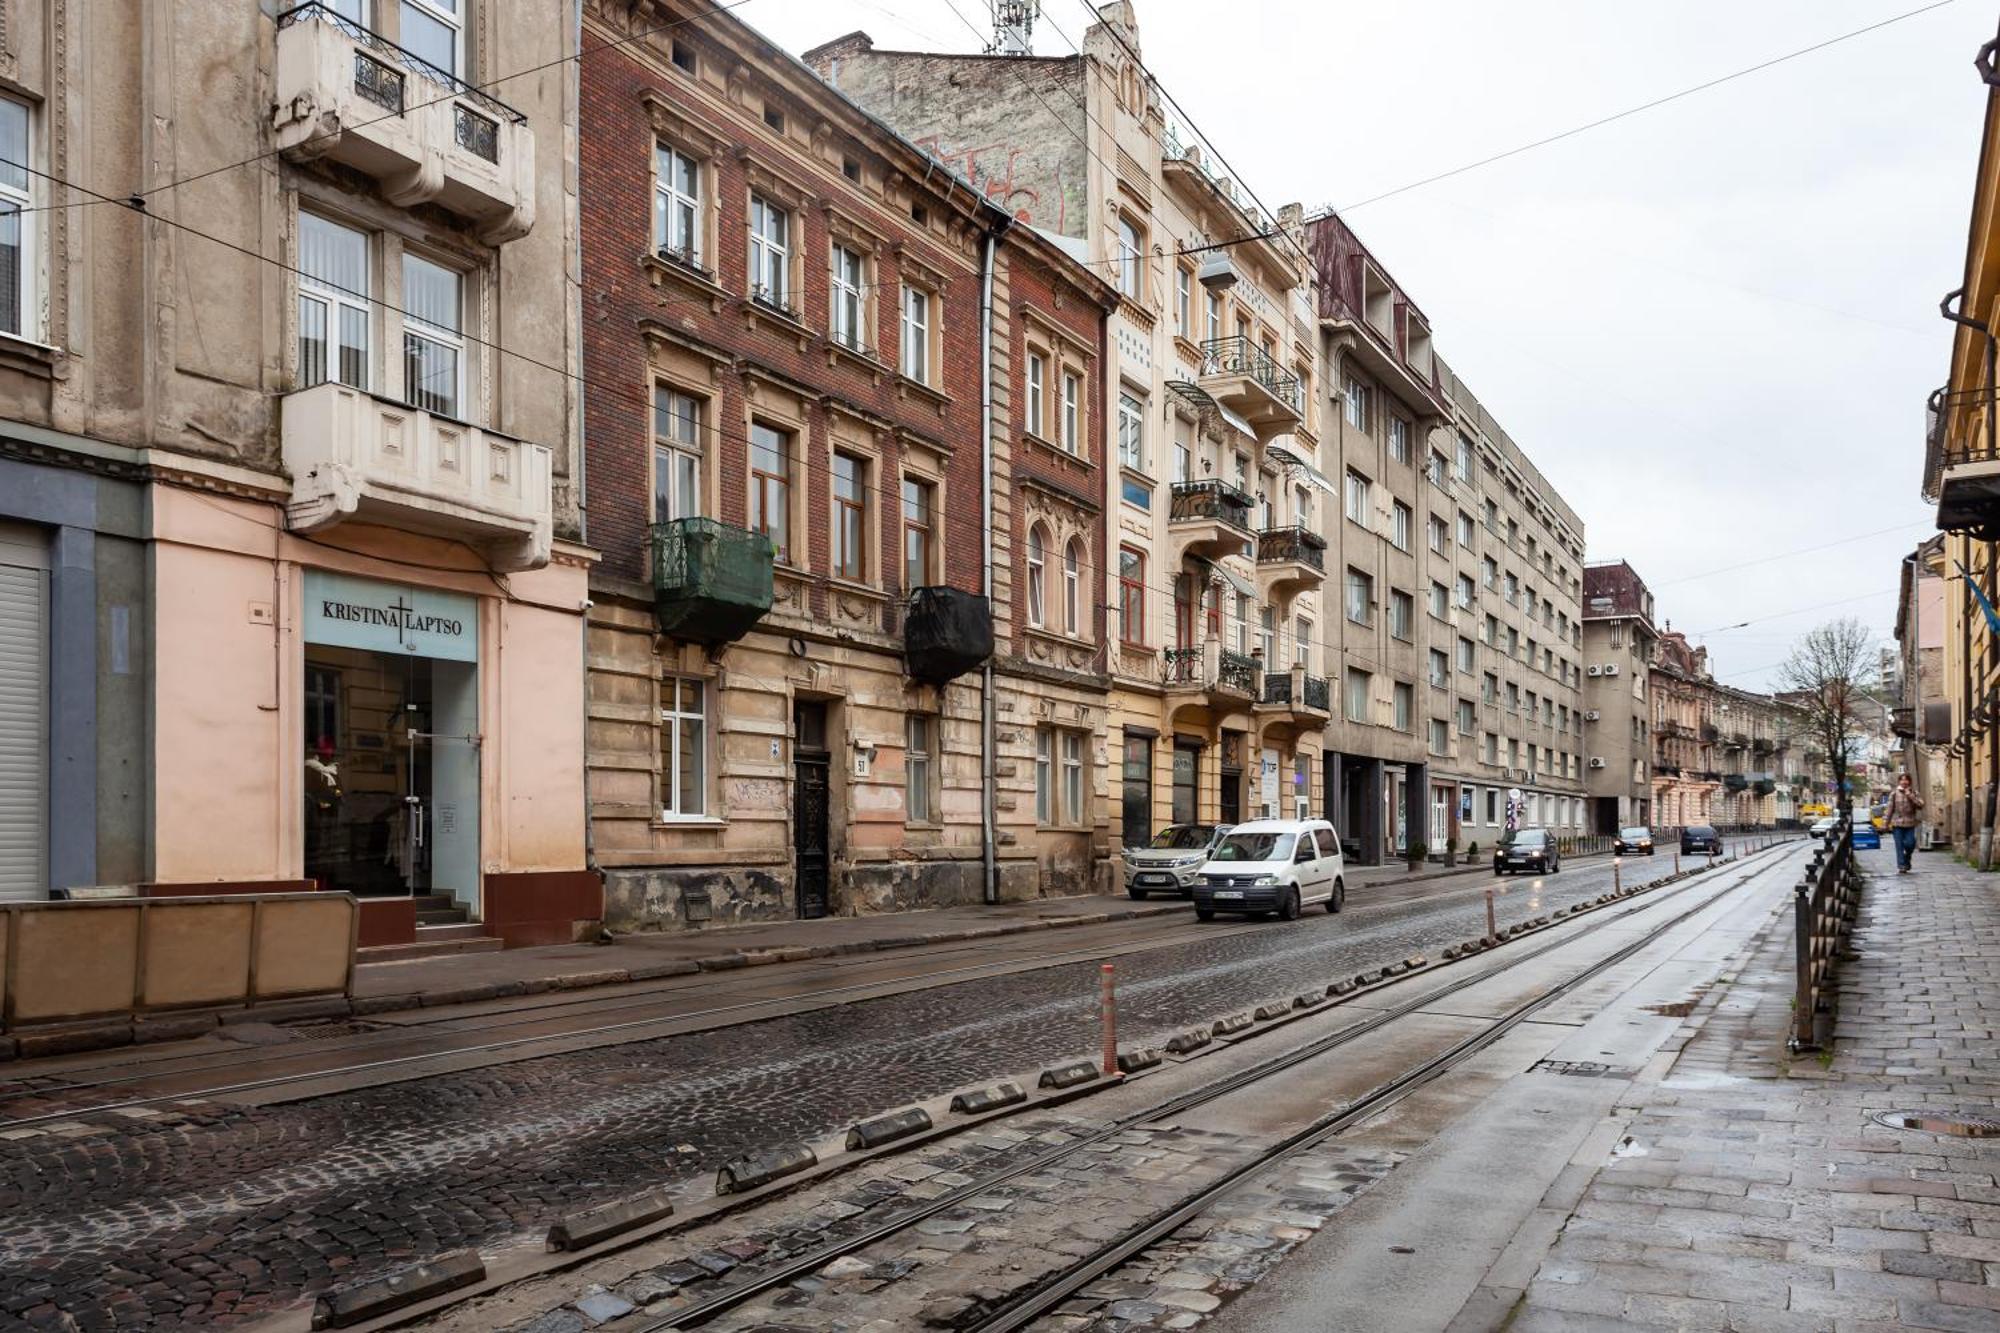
(211, 1212)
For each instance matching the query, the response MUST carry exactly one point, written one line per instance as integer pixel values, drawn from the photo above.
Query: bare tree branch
(1827, 680)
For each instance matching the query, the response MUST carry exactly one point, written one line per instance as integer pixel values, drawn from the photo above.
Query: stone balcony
(1294, 702)
(1244, 378)
(1209, 519)
(353, 455)
(1209, 675)
(1290, 560)
(347, 94)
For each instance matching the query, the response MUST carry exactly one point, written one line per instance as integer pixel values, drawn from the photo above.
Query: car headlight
(1186, 861)
(1265, 881)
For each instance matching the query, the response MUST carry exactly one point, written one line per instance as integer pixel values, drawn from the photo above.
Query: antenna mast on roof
(1013, 27)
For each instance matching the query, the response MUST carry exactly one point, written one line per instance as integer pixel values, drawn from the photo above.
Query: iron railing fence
(1240, 356)
(1824, 908)
(375, 83)
(1210, 500)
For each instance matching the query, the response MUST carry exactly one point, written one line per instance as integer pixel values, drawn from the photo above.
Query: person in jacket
(1902, 811)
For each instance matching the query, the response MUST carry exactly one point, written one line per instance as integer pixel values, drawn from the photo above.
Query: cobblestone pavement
(211, 1213)
(1758, 1192)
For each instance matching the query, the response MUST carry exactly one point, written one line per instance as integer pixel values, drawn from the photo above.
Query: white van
(1273, 865)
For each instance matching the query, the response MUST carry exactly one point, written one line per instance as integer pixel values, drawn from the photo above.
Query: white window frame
(1355, 689)
(1045, 778)
(1400, 519)
(1184, 300)
(1358, 505)
(1037, 396)
(770, 251)
(453, 340)
(1399, 439)
(450, 19)
(1131, 254)
(1072, 779)
(673, 718)
(1038, 571)
(1131, 432)
(847, 297)
(917, 329)
(332, 300)
(670, 450)
(1072, 589)
(669, 200)
(920, 768)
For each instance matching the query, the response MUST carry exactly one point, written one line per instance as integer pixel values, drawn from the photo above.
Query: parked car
(1821, 827)
(1172, 861)
(1633, 841)
(1273, 865)
(1527, 849)
(1865, 835)
(1701, 839)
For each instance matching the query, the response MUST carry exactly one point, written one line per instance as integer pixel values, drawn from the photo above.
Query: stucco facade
(1618, 631)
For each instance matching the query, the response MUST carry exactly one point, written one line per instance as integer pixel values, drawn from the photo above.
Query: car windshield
(1182, 837)
(1702, 831)
(1636, 833)
(1254, 847)
(1527, 837)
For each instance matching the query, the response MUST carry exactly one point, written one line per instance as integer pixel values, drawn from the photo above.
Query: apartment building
(813, 690)
(1755, 737)
(1921, 698)
(1216, 498)
(1618, 641)
(288, 469)
(1686, 780)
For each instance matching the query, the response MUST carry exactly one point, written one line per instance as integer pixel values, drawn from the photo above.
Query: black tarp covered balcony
(947, 633)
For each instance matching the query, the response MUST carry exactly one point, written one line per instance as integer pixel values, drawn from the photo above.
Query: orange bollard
(1107, 1005)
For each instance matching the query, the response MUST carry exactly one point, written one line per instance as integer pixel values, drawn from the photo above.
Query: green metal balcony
(711, 582)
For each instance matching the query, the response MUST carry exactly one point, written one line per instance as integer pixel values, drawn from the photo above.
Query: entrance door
(1232, 795)
(812, 767)
(1136, 792)
(24, 728)
(1187, 783)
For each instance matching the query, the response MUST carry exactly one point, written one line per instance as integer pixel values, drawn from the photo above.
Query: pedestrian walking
(1902, 812)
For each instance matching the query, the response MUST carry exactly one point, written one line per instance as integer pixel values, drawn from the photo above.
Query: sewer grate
(1941, 1122)
(1582, 1069)
(330, 1031)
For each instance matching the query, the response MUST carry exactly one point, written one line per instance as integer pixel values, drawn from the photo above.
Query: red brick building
(783, 332)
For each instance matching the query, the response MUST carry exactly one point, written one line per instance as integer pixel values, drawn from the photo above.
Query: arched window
(1037, 559)
(1073, 587)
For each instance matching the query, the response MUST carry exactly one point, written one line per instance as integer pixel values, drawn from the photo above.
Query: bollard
(1617, 879)
(1492, 933)
(1108, 1013)
(1677, 858)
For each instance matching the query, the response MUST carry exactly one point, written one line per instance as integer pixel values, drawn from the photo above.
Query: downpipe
(1953, 298)
(988, 796)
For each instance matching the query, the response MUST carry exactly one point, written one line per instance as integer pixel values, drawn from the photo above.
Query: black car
(1531, 849)
(1701, 839)
(1633, 842)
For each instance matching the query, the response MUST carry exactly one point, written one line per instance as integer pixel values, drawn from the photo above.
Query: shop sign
(349, 612)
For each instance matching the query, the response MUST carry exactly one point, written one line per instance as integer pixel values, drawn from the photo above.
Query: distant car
(1633, 841)
(1865, 835)
(1821, 827)
(1273, 865)
(1532, 849)
(1172, 861)
(1700, 839)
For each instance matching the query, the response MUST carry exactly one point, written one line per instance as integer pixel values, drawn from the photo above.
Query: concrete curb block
(172, 1027)
(1276, 1009)
(881, 1129)
(1342, 987)
(1139, 1057)
(1367, 978)
(749, 1172)
(1229, 1023)
(587, 1228)
(1311, 999)
(1071, 1075)
(365, 1300)
(1191, 1040)
(978, 1101)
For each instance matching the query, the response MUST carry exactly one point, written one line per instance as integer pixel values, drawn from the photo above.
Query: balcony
(711, 582)
(346, 94)
(1961, 462)
(947, 633)
(1764, 745)
(1294, 701)
(1903, 723)
(1210, 676)
(1210, 519)
(353, 455)
(1290, 561)
(1243, 377)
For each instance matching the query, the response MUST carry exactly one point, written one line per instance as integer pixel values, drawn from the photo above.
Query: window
(770, 253)
(1464, 593)
(1400, 607)
(919, 532)
(1489, 572)
(433, 340)
(850, 517)
(1038, 556)
(1072, 777)
(1211, 316)
(1360, 597)
(1073, 587)
(1464, 528)
(1184, 301)
(1072, 410)
(1399, 440)
(1131, 595)
(848, 307)
(1038, 372)
(1438, 606)
(431, 32)
(1491, 753)
(1399, 531)
(1462, 464)
(917, 334)
(1489, 631)
(334, 314)
(683, 749)
(1131, 249)
(1267, 637)
(1465, 657)
(1440, 534)
(677, 215)
(1183, 450)
(1239, 621)
(1439, 471)
(1466, 717)
(1405, 702)
(1440, 669)
(774, 118)
(683, 57)
(1045, 745)
(919, 768)
(1302, 644)
(771, 487)
(1489, 687)
(1358, 507)
(1131, 433)
(1356, 404)
(676, 455)
(1440, 736)
(1357, 695)
(1510, 587)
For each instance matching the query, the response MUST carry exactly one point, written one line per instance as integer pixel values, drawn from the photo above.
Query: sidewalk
(1754, 1190)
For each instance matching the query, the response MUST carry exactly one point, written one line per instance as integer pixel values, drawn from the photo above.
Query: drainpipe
(1945, 308)
(582, 465)
(988, 798)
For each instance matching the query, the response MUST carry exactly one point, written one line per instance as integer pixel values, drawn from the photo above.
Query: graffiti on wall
(1019, 180)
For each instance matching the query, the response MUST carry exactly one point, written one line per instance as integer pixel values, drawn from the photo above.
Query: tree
(1827, 679)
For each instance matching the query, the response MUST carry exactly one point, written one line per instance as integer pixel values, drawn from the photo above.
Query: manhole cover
(329, 1031)
(1941, 1122)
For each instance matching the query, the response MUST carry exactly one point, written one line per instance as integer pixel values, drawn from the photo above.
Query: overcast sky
(1712, 325)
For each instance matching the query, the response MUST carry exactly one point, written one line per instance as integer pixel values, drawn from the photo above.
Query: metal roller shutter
(24, 731)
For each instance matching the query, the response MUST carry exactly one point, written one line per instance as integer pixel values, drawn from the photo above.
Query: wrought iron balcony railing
(711, 582)
(1209, 666)
(385, 87)
(1291, 545)
(1240, 356)
(1195, 501)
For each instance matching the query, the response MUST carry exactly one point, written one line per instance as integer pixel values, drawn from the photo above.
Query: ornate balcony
(354, 455)
(351, 95)
(1294, 701)
(1210, 519)
(1290, 561)
(1244, 378)
(947, 633)
(711, 582)
(1209, 676)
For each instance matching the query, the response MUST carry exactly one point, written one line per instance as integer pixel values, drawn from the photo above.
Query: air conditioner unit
(1611, 669)
(1593, 671)
(1597, 763)
(1590, 716)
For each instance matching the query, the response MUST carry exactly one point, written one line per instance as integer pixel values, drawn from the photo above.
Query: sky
(1712, 325)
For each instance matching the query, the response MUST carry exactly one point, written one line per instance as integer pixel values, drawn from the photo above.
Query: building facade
(1686, 780)
(1618, 633)
(808, 692)
(290, 504)
(1921, 699)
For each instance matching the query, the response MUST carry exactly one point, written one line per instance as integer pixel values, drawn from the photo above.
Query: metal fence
(1824, 908)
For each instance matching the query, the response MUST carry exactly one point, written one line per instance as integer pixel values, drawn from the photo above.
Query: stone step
(440, 916)
(428, 948)
(452, 930)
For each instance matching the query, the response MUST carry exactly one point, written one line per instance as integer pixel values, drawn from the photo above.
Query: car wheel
(1138, 895)
(1338, 898)
(1204, 914)
(1288, 910)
